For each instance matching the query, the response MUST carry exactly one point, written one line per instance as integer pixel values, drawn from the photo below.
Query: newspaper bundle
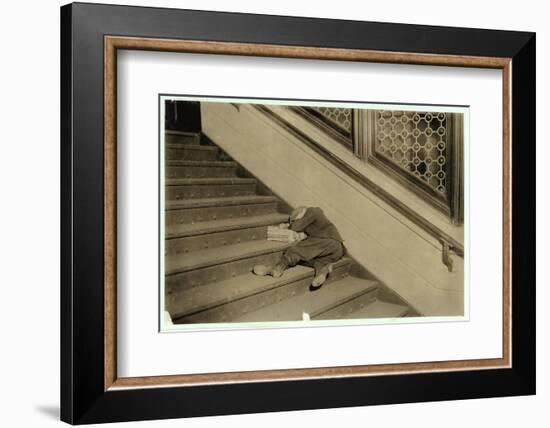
(276, 233)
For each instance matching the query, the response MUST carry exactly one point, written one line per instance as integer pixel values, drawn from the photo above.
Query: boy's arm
(300, 236)
(300, 225)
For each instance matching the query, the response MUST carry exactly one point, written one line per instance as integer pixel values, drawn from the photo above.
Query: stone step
(193, 188)
(182, 152)
(207, 227)
(216, 256)
(181, 137)
(185, 238)
(216, 264)
(186, 162)
(194, 215)
(200, 169)
(188, 244)
(219, 202)
(329, 302)
(379, 309)
(221, 301)
(220, 272)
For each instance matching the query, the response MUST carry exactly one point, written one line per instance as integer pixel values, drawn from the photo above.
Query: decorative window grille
(337, 122)
(339, 117)
(422, 150)
(415, 142)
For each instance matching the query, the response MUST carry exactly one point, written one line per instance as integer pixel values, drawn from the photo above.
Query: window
(335, 121)
(422, 150)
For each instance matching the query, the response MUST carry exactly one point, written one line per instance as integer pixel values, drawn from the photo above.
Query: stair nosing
(245, 223)
(208, 181)
(185, 133)
(223, 201)
(349, 298)
(372, 285)
(275, 283)
(345, 300)
(278, 282)
(404, 310)
(274, 248)
(200, 163)
(190, 146)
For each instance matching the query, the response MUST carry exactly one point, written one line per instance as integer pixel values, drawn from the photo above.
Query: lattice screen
(416, 142)
(339, 116)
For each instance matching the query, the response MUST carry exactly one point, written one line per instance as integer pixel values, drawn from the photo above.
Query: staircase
(216, 219)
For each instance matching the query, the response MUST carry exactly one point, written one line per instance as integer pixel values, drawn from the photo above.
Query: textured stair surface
(211, 209)
(201, 169)
(328, 297)
(191, 147)
(379, 309)
(219, 272)
(202, 163)
(177, 153)
(220, 255)
(216, 231)
(204, 227)
(214, 295)
(220, 202)
(209, 181)
(179, 137)
(217, 187)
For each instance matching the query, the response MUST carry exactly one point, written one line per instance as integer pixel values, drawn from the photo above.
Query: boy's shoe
(320, 278)
(275, 271)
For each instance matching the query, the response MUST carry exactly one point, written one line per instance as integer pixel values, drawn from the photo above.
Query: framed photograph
(237, 254)
(267, 213)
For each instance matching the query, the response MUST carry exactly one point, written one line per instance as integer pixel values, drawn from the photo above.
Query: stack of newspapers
(276, 233)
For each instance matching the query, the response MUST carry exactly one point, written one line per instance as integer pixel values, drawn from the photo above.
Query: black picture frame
(83, 396)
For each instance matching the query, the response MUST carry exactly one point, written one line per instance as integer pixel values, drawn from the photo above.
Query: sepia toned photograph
(318, 212)
(298, 212)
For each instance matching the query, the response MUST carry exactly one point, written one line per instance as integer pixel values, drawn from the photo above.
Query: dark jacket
(316, 225)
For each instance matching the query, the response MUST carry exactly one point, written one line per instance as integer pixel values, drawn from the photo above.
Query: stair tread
(208, 296)
(177, 132)
(220, 202)
(209, 181)
(191, 146)
(314, 303)
(379, 309)
(201, 163)
(214, 256)
(213, 226)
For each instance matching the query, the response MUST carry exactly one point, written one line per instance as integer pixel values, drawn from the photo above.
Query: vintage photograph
(270, 213)
(295, 211)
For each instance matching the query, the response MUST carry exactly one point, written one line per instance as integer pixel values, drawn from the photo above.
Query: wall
(29, 313)
(377, 236)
